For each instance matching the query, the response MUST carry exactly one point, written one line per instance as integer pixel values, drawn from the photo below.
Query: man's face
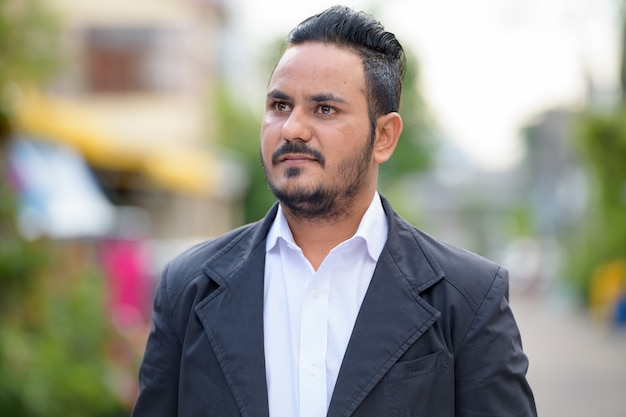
(316, 138)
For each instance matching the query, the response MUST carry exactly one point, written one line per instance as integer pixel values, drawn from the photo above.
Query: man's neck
(317, 237)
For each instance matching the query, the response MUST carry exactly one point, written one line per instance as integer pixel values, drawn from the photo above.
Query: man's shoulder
(468, 273)
(454, 258)
(444, 257)
(190, 263)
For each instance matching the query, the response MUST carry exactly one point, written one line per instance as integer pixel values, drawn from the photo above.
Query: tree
(29, 45)
(238, 129)
(601, 141)
(602, 144)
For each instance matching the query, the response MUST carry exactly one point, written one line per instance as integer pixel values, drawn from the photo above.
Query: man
(332, 304)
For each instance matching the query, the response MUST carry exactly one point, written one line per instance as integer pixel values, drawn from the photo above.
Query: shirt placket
(313, 343)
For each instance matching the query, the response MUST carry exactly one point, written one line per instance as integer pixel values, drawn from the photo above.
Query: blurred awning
(174, 168)
(59, 197)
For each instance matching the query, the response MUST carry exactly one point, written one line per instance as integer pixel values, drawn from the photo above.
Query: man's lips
(297, 158)
(297, 153)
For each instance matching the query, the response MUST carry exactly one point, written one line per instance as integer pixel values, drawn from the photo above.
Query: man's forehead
(319, 62)
(322, 53)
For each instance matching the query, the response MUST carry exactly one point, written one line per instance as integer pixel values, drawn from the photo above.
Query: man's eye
(282, 106)
(324, 109)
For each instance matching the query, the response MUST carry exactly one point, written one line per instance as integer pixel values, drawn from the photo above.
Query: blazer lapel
(233, 319)
(392, 317)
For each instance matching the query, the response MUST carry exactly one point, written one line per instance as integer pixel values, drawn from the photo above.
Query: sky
(488, 67)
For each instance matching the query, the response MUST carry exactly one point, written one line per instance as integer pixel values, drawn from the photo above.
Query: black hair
(382, 55)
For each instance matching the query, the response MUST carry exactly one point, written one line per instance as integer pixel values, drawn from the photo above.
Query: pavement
(577, 362)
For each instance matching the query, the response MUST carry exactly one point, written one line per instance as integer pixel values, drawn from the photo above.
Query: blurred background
(129, 131)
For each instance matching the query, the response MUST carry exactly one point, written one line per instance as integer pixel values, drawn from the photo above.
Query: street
(577, 365)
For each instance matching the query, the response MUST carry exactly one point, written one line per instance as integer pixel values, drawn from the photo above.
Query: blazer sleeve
(158, 374)
(490, 365)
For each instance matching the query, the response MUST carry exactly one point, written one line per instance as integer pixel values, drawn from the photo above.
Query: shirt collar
(372, 230)
(279, 230)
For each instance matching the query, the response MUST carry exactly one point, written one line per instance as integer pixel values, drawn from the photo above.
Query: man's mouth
(296, 158)
(297, 154)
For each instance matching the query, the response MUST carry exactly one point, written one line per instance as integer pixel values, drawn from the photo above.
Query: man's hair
(382, 55)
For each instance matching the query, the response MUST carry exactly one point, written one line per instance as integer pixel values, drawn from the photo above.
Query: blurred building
(133, 100)
(509, 216)
(115, 159)
(557, 183)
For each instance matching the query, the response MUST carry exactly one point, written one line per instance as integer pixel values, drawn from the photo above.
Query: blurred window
(133, 60)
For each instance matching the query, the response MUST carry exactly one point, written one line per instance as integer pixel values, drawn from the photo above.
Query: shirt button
(313, 370)
(316, 293)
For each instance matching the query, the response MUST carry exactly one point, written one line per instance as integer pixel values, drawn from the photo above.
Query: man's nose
(297, 126)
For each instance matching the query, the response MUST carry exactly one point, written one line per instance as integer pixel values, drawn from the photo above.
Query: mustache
(297, 147)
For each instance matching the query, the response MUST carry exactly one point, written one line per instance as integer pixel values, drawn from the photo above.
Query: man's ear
(388, 129)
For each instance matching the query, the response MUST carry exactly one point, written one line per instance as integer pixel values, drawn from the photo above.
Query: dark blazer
(435, 336)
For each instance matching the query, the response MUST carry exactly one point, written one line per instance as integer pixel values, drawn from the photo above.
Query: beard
(323, 202)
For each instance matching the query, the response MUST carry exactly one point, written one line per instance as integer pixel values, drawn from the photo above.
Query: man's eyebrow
(326, 97)
(277, 94)
(318, 98)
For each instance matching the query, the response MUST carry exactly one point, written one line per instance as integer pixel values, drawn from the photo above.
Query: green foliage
(603, 144)
(602, 237)
(239, 130)
(53, 331)
(55, 364)
(18, 260)
(28, 41)
(29, 38)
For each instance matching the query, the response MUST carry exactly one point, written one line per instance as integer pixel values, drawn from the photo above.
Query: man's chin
(312, 205)
(296, 190)
(293, 172)
(298, 198)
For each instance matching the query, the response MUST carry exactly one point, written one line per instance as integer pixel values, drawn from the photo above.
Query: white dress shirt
(309, 315)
